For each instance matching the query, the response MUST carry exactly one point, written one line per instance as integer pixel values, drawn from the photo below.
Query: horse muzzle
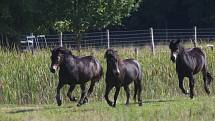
(174, 56)
(53, 68)
(173, 59)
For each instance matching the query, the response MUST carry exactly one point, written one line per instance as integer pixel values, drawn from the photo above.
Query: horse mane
(180, 45)
(181, 48)
(63, 51)
(111, 52)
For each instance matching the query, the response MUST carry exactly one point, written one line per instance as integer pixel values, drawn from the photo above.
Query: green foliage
(40, 16)
(62, 26)
(93, 14)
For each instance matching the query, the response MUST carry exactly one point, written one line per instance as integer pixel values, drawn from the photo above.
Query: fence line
(134, 38)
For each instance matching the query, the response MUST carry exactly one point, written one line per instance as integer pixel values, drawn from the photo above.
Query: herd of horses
(75, 70)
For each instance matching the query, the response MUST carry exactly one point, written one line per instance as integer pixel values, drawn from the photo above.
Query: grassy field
(28, 89)
(171, 109)
(26, 78)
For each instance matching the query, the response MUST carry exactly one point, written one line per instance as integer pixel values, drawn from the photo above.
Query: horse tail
(99, 70)
(139, 77)
(140, 72)
(210, 78)
(138, 85)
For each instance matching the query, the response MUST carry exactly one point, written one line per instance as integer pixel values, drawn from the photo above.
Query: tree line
(19, 17)
(173, 14)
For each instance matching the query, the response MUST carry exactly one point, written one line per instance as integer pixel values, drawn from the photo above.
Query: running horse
(188, 63)
(120, 73)
(75, 70)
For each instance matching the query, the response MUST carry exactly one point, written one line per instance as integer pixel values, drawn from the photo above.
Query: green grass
(171, 109)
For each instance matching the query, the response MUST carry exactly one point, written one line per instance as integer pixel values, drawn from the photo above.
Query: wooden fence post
(61, 39)
(108, 38)
(152, 44)
(195, 37)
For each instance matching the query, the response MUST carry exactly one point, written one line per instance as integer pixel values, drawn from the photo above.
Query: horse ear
(177, 41)
(108, 52)
(105, 55)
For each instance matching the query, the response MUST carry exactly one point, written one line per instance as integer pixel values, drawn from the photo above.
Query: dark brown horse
(122, 73)
(188, 63)
(75, 70)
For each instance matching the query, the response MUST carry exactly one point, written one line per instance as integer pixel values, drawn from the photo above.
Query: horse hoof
(187, 92)
(114, 105)
(191, 96)
(208, 92)
(73, 99)
(79, 104)
(85, 100)
(110, 103)
(140, 104)
(59, 103)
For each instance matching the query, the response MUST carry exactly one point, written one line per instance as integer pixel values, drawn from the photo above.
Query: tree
(79, 16)
(172, 14)
(16, 18)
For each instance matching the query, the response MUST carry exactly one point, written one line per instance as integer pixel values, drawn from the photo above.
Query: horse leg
(83, 93)
(139, 87)
(60, 85)
(204, 73)
(69, 93)
(107, 91)
(135, 91)
(116, 95)
(89, 92)
(191, 85)
(126, 88)
(181, 85)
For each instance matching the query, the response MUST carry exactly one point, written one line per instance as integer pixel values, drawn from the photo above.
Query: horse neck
(120, 62)
(108, 67)
(68, 58)
(181, 50)
(181, 54)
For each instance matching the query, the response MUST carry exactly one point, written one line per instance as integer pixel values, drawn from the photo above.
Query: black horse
(188, 63)
(122, 73)
(75, 70)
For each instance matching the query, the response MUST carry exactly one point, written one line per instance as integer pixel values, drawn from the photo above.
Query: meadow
(28, 89)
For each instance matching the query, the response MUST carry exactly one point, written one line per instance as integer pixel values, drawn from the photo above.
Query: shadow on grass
(53, 108)
(150, 102)
(160, 101)
(72, 108)
(22, 111)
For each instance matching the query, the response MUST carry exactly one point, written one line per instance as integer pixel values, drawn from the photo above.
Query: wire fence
(105, 39)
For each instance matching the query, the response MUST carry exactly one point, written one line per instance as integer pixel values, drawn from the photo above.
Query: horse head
(112, 61)
(57, 58)
(174, 47)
